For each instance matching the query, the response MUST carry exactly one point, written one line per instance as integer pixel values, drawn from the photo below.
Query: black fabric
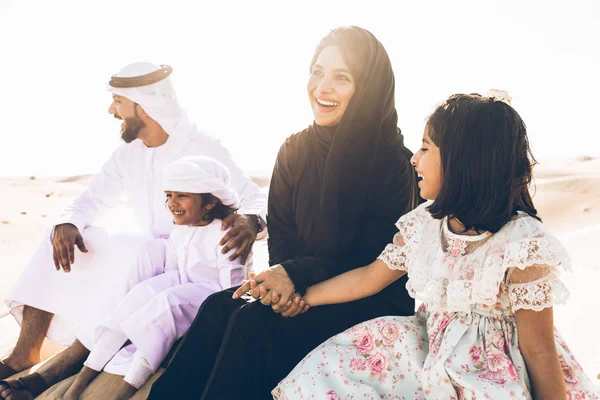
(328, 216)
(259, 347)
(262, 347)
(294, 214)
(188, 370)
(334, 197)
(369, 121)
(321, 138)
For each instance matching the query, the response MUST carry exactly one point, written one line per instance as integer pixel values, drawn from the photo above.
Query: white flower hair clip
(499, 95)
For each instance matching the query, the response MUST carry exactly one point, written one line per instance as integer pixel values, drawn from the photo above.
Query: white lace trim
(538, 294)
(443, 294)
(478, 274)
(394, 256)
(410, 225)
(543, 250)
(463, 238)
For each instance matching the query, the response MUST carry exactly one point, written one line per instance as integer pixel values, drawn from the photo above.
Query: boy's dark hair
(486, 162)
(219, 211)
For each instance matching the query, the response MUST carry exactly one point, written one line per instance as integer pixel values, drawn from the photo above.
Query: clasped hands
(275, 288)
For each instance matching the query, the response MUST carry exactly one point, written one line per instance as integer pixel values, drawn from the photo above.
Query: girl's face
(428, 164)
(187, 208)
(330, 87)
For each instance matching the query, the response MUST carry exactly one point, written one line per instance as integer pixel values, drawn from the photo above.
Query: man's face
(124, 109)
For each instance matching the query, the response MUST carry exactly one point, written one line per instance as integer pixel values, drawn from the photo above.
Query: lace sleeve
(535, 288)
(410, 223)
(537, 246)
(409, 226)
(394, 255)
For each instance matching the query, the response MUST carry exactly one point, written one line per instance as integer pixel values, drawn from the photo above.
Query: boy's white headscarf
(158, 99)
(197, 174)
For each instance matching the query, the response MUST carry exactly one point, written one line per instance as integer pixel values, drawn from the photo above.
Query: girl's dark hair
(219, 211)
(486, 162)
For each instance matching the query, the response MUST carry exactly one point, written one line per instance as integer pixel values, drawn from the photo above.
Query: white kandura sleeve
(103, 193)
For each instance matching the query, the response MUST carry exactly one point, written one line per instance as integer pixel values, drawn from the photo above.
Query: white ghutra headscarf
(158, 100)
(197, 174)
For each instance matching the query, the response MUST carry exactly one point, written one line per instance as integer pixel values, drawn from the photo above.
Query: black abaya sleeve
(389, 198)
(282, 242)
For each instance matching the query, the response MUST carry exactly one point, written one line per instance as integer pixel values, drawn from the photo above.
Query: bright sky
(240, 69)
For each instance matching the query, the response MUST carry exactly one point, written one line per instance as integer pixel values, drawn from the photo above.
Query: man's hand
(241, 236)
(270, 285)
(64, 238)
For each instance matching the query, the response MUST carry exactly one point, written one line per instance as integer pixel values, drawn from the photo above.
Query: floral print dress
(462, 343)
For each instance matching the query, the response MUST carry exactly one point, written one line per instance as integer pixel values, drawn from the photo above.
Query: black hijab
(350, 150)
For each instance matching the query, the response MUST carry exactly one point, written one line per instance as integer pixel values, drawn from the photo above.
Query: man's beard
(132, 129)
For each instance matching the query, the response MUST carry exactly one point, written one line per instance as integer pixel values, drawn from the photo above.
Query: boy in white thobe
(133, 170)
(166, 292)
(54, 304)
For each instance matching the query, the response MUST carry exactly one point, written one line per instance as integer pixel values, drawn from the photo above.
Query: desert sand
(566, 193)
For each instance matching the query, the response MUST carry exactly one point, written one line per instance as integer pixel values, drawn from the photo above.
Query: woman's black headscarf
(350, 150)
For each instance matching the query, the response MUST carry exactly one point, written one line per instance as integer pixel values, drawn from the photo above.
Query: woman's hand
(264, 285)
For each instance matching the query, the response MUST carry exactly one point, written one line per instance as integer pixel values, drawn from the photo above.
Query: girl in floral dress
(484, 267)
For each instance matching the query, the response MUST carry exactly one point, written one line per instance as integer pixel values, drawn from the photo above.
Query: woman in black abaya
(337, 189)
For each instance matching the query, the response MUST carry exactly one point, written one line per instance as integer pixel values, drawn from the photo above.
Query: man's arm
(245, 226)
(102, 194)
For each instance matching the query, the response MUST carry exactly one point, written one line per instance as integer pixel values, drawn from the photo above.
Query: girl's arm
(352, 285)
(537, 344)
(536, 341)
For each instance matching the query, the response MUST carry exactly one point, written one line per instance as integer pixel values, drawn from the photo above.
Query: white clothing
(158, 100)
(198, 174)
(463, 341)
(134, 170)
(139, 372)
(160, 308)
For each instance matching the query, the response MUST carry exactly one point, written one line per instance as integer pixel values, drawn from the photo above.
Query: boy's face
(187, 208)
(428, 165)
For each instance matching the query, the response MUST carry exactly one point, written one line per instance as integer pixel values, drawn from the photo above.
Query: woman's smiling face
(330, 87)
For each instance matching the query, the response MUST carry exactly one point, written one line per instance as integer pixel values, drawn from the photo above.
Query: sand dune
(566, 193)
(573, 166)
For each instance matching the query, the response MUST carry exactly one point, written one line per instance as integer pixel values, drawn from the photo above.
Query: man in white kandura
(156, 131)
